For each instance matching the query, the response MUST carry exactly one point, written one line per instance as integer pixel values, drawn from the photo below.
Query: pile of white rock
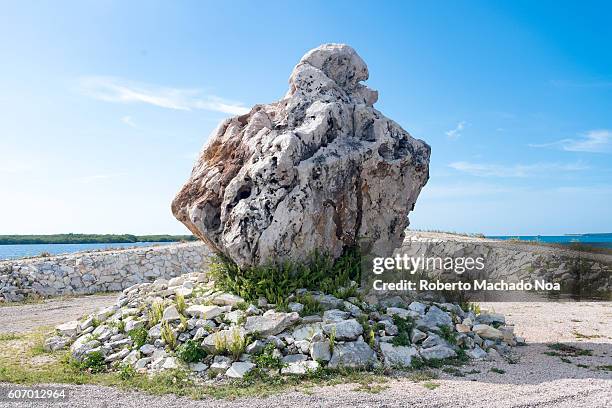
(230, 334)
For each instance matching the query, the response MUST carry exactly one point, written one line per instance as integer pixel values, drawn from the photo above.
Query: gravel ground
(536, 380)
(28, 317)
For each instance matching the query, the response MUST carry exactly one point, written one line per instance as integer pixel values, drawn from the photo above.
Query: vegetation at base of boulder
(368, 330)
(126, 372)
(155, 312)
(237, 344)
(90, 239)
(181, 306)
(320, 376)
(9, 336)
(420, 376)
(191, 351)
(470, 307)
(118, 324)
(220, 343)
(604, 367)
(567, 350)
(267, 359)
(404, 328)
(277, 281)
(138, 336)
(332, 339)
(371, 388)
(234, 345)
(95, 322)
(93, 361)
(311, 305)
(448, 334)
(183, 324)
(453, 371)
(418, 363)
(430, 385)
(579, 335)
(167, 335)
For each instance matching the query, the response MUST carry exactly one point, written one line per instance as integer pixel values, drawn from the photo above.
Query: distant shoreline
(90, 239)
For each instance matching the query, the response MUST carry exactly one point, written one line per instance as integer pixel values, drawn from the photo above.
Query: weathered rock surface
(487, 332)
(344, 330)
(310, 171)
(438, 352)
(397, 356)
(355, 354)
(270, 323)
(239, 369)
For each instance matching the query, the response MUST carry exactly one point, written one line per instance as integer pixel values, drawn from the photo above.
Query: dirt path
(28, 317)
(536, 379)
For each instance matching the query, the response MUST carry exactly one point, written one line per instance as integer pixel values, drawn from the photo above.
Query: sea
(22, 251)
(28, 250)
(603, 240)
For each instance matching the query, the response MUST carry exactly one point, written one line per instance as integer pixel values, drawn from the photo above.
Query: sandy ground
(535, 380)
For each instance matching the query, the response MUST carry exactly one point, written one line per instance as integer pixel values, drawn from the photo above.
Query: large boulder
(317, 169)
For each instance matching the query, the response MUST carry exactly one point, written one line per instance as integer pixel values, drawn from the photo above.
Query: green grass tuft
(276, 281)
(191, 351)
(138, 336)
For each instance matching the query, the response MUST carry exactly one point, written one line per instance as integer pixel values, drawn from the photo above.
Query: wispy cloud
(439, 191)
(128, 121)
(516, 170)
(593, 141)
(118, 90)
(455, 133)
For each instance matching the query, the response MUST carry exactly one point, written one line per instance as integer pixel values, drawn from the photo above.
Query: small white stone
(171, 313)
(239, 369)
(68, 329)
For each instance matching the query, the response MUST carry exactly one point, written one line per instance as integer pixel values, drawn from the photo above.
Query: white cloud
(455, 133)
(128, 121)
(593, 141)
(118, 90)
(516, 170)
(442, 191)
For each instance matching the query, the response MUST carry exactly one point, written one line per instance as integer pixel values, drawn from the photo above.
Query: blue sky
(105, 104)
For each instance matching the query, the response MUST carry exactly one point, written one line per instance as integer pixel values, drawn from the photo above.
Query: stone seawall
(97, 271)
(581, 272)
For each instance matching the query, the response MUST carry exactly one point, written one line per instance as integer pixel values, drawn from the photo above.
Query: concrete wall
(97, 271)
